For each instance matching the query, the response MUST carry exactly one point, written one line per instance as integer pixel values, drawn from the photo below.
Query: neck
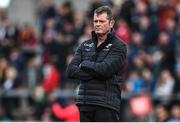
(101, 39)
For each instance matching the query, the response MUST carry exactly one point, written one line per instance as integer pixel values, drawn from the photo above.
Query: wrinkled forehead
(102, 15)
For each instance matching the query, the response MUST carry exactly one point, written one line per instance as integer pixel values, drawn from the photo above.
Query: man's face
(102, 24)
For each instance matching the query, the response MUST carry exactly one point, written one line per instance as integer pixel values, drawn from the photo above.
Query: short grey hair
(105, 9)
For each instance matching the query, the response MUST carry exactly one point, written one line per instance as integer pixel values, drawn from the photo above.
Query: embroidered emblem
(87, 49)
(89, 45)
(108, 46)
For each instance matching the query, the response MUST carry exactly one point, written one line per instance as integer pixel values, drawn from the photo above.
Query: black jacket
(99, 70)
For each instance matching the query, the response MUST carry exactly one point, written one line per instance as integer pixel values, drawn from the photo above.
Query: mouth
(98, 29)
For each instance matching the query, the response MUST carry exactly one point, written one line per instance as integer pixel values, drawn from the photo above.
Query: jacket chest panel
(101, 55)
(94, 55)
(88, 55)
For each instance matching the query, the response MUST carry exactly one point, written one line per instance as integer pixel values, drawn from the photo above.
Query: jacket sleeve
(73, 69)
(113, 63)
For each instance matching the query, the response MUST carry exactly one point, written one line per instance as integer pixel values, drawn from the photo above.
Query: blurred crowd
(35, 59)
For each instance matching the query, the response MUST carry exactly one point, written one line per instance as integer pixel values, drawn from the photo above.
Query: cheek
(107, 26)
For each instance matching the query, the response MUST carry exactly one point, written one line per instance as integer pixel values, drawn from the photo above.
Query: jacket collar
(108, 39)
(109, 35)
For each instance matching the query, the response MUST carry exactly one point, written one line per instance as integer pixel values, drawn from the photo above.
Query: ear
(112, 22)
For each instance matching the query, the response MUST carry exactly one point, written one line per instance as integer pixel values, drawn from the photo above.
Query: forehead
(101, 16)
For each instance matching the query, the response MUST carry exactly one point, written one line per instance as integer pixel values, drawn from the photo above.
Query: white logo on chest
(89, 45)
(107, 47)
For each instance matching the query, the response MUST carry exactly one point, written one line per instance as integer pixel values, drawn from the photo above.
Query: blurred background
(39, 37)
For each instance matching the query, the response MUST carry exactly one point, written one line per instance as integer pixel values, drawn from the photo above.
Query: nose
(98, 23)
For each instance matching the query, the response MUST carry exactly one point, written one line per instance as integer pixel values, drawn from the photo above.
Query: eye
(102, 21)
(95, 21)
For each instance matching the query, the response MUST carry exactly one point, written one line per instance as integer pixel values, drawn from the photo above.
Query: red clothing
(123, 32)
(52, 80)
(68, 114)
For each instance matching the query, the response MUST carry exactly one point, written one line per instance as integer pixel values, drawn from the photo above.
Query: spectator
(135, 84)
(27, 37)
(162, 113)
(64, 110)
(31, 75)
(177, 78)
(52, 78)
(175, 112)
(48, 11)
(3, 66)
(165, 84)
(168, 58)
(148, 80)
(135, 47)
(10, 78)
(149, 31)
(123, 31)
(86, 34)
(170, 28)
(64, 18)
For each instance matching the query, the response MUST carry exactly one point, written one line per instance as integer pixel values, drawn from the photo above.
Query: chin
(99, 33)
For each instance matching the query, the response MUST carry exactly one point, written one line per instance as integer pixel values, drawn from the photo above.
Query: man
(98, 64)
